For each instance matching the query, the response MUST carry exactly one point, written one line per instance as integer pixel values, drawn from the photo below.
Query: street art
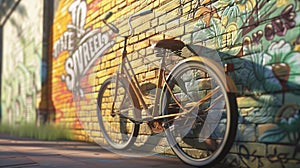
(249, 157)
(20, 91)
(21, 78)
(79, 45)
(261, 33)
(84, 46)
(260, 38)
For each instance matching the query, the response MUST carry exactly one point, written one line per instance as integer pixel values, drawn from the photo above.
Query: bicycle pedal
(156, 127)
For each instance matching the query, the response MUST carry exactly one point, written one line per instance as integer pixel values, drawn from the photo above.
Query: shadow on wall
(265, 53)
(268, 92)
(264, 72)
(261, 40)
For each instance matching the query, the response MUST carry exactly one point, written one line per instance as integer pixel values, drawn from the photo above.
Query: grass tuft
(44, 132)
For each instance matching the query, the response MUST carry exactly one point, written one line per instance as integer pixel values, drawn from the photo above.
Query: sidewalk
(20, 152)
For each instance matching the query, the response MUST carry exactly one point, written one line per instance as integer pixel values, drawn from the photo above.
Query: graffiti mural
(259, 32)
(260, 38)
(21, 78)
(78, 47)
(252, 155)
(84, 46)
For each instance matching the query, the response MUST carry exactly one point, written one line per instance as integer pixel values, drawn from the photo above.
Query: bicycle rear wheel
(115, 116)
(205, 132)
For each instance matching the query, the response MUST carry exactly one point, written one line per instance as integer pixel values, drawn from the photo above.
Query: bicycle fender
(230, 86)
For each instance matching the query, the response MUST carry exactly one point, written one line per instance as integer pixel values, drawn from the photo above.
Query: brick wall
(261, 39)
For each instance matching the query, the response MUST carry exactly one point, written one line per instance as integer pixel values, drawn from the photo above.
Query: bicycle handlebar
(107, 15)
(145, 12)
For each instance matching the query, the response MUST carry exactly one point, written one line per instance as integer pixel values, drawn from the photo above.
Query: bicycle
(195, 104)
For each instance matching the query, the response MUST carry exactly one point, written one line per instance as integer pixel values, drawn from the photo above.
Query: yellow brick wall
(242, 32)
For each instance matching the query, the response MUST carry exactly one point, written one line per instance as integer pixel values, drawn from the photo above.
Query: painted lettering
(84, 47)
(70, 77)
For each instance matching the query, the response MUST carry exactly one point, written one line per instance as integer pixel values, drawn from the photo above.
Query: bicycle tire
(108, 123)
(180, 147)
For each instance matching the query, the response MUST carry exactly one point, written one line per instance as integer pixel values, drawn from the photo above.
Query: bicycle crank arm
(142, 120)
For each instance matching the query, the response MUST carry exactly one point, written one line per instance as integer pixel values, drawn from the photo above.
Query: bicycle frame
(195, 99)
(136, 88)
(134, 84)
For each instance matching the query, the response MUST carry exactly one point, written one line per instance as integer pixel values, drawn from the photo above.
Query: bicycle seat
(171, 44)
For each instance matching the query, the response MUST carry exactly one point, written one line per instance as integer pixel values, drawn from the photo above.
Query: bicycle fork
(113, 113)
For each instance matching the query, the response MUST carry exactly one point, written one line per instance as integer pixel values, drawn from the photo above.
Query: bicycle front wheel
(115, 111)
(205, 130)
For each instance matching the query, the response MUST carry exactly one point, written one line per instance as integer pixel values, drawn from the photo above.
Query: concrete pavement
(21, 152)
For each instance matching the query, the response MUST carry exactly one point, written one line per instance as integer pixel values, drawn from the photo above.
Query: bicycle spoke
(118, 130)
(175, 99)
(213, 103)
(209, 95)
(200, 132)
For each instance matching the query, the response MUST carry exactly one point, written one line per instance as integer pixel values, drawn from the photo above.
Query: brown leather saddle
(171, 44)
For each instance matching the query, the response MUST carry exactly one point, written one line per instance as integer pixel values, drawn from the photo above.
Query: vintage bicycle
(194, 104)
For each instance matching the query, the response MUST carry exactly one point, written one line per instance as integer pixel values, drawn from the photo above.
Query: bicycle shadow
(268, 90)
